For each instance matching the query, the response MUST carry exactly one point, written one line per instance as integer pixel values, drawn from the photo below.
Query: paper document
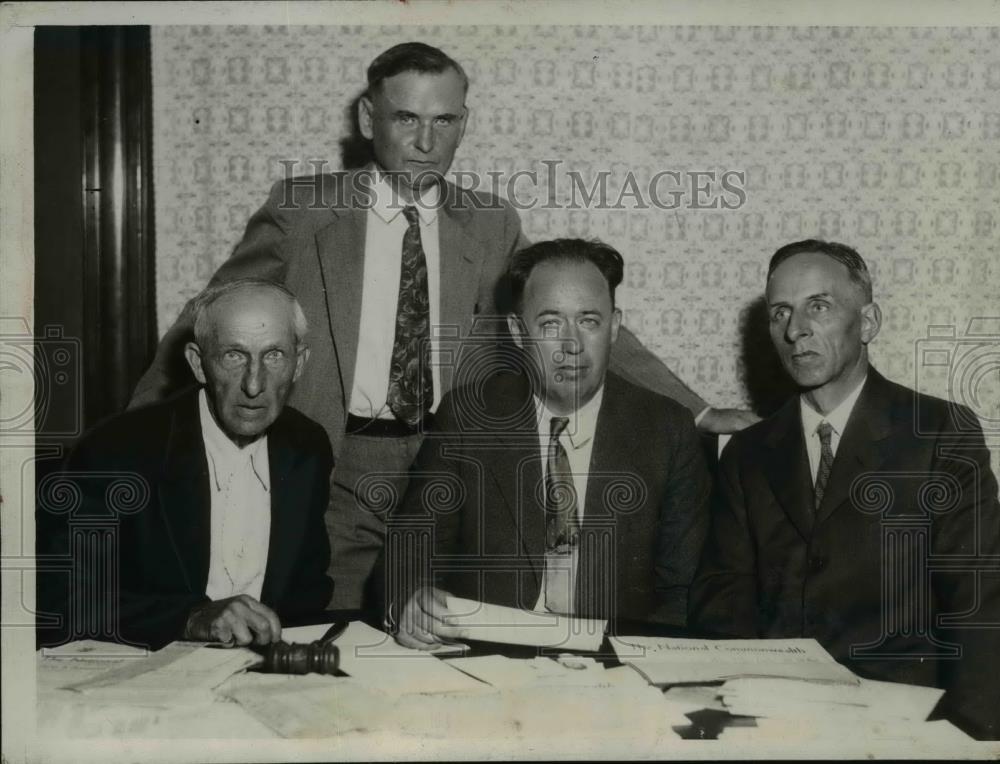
(790, 698)
(664, 660)
(176, 673)
(376, 659)
(628, 716)
(501, 672)
(511, 626)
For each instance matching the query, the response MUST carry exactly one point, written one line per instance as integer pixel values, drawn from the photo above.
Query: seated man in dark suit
(563, 488)
(230, 538)
(862, 513)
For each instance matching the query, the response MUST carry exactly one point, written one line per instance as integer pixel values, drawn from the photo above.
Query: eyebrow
(825, 295)
(407, 113)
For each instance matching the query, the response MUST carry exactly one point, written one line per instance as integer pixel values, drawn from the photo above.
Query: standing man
(562, 488)
(387, 260)
(230, 539)
(830, 512)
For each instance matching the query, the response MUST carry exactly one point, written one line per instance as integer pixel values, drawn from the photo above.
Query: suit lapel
(287, 520)
(517, 470)
(786, 464)
(610, 459)
(341, 248)
(862, 446)
(459, 254)
(185, 494)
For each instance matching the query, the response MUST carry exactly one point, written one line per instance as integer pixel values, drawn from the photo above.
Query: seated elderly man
(230, 539)
(563, 488)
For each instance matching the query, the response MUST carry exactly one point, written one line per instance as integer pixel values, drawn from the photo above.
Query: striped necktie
(825, 432)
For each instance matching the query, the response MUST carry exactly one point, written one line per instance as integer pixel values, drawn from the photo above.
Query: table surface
(64, 714)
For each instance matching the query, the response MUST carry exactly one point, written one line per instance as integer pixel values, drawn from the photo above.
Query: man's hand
(241, 618)
(725, 421)
(421, 624)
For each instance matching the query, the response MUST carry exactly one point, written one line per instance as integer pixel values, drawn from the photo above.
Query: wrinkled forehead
(807, 274)
(567, 286)
(412, 88)
(252, 312)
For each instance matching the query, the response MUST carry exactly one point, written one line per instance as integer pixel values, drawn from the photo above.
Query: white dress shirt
(837, 418)
(239, 479)
(385, 227)
(578, 441)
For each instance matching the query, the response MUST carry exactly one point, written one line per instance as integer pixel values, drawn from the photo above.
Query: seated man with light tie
(862, 514)
(561, 488)
(228, 537)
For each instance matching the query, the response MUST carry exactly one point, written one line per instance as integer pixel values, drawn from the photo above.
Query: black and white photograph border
(697, 188)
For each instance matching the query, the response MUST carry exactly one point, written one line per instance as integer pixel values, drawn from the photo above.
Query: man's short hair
(857, 269)
(411, 57)
(198, 307)
(607, 259)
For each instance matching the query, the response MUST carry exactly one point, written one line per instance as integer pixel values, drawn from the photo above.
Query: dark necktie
(561, 525)
(411, 385)
(825, 432)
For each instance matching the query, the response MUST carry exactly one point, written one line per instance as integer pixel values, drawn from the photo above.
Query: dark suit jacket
(310, 236)
(162, 544)
(475, 492)
(911, 473)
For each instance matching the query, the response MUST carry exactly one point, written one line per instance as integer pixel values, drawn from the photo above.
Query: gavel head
(294, 658)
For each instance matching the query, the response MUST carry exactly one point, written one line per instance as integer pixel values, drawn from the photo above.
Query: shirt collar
(582, 422)
(224, 456)
(837, 418)
(388, 205)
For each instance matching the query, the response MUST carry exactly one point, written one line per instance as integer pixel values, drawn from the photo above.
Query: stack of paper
(502, 672)
(665, 661)
(182, 673)
(869, 699)
(308, 707)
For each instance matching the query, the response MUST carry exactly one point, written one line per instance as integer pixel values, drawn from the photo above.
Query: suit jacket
(310, 236)
(162, 543)
(474, 510)
(911, 477)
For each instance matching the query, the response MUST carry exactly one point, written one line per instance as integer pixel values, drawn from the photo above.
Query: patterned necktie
(411, 385)
(825, 432)
(561, 525)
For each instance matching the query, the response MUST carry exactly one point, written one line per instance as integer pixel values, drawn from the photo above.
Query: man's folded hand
(241, 619)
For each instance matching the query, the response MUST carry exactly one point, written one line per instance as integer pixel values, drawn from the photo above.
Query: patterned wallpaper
(884, 138)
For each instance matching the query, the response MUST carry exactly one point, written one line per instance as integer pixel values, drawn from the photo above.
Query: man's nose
(425, 137)
(254, 379)
(570, 339)
(797, 327)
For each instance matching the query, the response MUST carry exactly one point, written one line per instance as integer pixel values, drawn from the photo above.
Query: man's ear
(193, 355)
(461, 127)
(516, 328)
(616, 324)
(301, 357)
(871, 322)
(365, 118)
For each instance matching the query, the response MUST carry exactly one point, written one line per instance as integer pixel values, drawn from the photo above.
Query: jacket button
(816, 564)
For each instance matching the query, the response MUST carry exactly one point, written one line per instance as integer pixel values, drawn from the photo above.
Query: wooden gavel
(319, 657)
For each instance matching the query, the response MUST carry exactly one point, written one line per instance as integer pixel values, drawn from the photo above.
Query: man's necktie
(825, 432)
(411, 385)
(561, 525)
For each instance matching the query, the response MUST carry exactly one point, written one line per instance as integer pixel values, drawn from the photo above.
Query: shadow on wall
(767, 384)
